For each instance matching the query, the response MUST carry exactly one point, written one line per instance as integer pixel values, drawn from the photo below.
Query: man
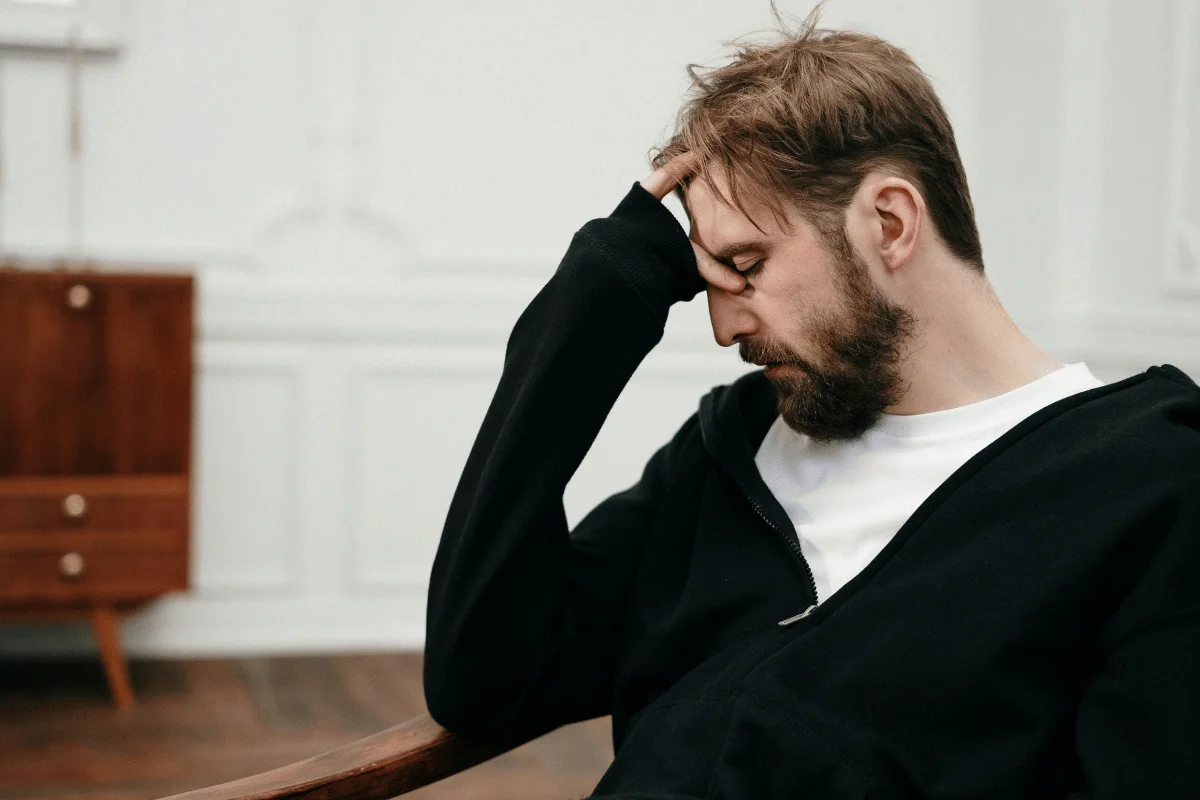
(914, 556)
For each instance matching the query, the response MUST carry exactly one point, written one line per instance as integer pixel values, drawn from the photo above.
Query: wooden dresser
(95, 447)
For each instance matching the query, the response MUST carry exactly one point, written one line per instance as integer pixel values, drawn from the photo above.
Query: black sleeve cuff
(649, 248)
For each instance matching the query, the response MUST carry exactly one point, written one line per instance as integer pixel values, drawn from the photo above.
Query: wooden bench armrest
(400, 759)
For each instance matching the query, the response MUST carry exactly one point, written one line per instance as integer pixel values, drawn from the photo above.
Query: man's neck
(965, 347)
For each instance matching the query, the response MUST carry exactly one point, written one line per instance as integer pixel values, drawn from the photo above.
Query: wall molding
(195, 627)
(1081, 179)
(333, 206)
(464, 309)
(287, 367)
(449, 364)
(458, 309)
(1182, 239)
(1131, 341)
(41, 27)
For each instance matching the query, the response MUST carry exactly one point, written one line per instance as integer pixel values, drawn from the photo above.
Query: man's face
(831, 339)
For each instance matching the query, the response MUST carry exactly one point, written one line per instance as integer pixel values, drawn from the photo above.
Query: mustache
(765, 353)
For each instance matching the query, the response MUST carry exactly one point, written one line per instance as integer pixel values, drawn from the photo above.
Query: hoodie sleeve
(1137, 729)
(523, 614)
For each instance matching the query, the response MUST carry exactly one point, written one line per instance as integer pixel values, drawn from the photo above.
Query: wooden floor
(202, 722)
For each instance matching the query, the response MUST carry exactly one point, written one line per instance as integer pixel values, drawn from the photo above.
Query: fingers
(664, 179)
(718, 274)
(660, 183)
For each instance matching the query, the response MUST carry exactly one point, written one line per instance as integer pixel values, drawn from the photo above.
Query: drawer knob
(74, 506)
(79, 297)
(71, 565)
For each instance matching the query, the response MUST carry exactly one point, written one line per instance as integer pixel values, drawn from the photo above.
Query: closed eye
(750, 269)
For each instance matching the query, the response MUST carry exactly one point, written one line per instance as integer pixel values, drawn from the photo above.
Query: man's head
(830, 152)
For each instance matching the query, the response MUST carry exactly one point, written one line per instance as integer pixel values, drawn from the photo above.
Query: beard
(860, 346)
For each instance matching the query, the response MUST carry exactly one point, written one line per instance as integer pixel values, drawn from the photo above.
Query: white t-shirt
(847, 499)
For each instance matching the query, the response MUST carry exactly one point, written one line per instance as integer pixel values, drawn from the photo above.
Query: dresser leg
(108, 640)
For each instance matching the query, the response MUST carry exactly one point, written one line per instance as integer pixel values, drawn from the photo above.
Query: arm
(522, 614)
(1138, 723)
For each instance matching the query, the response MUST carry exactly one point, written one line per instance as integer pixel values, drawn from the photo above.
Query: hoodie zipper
(783, 623)
(794, 546)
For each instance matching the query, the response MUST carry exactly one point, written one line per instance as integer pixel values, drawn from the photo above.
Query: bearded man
(913, 556)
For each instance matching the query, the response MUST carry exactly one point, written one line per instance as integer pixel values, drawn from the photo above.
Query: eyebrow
(737, 248)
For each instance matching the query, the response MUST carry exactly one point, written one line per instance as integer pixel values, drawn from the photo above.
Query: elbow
(449, 707)
(467, 701)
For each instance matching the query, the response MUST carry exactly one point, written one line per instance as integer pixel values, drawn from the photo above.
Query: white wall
(371, 190)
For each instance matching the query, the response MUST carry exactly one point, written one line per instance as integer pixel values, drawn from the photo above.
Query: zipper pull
(783, 623)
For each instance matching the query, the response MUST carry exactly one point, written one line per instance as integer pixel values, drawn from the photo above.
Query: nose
(731, 316)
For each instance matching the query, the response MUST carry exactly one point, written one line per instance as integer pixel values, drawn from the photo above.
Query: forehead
(717, 223)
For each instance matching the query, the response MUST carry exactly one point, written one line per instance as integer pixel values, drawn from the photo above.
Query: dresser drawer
(64, 541)
(128, 503)
(85, 575)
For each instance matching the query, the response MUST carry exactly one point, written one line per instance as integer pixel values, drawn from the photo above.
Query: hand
(663, 180)
(717, 274)
(660, 183)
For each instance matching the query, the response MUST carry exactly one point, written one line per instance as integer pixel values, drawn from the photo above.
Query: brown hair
(806, 117)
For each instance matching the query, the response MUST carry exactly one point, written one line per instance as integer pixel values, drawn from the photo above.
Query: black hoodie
(1033, 630)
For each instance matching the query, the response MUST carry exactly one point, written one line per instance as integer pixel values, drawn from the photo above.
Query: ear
(898, 216)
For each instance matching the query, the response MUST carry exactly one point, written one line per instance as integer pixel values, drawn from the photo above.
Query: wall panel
(1183, 162)
(414, 424)
(246, 480)
(372, 191)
